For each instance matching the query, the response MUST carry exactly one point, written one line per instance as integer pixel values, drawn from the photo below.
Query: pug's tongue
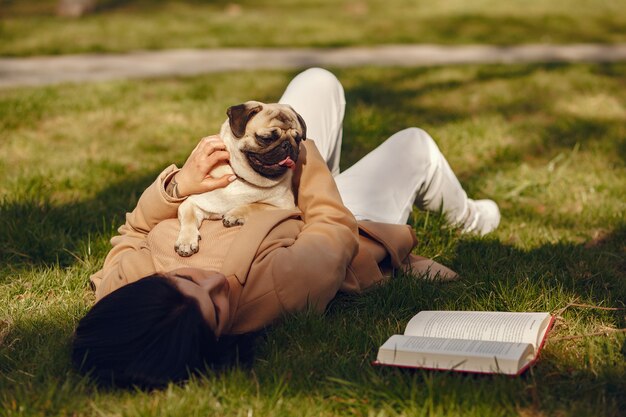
(288, 162)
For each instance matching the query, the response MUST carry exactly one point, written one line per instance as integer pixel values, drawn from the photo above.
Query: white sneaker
(483, 216)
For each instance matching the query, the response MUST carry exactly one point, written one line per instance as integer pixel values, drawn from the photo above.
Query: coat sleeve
(308, 269)
(129, 258)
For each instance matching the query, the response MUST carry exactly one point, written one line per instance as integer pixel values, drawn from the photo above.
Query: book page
(457, 354)
(480, 325)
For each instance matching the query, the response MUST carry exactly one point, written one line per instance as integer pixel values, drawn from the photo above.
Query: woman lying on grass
(349, 232)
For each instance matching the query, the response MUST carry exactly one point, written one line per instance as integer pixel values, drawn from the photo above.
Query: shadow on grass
(401, 100)
(328, 356)
(36, 232)
(337, 348)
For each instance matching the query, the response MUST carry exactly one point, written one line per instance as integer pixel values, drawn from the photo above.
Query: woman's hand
(194, 177)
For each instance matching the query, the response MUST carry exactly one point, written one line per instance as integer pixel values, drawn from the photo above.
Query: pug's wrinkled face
(268, 136)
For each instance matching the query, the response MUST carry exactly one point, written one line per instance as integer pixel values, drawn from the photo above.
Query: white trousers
(383, 186)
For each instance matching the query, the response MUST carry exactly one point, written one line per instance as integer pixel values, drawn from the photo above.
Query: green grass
(30, 27)
(547, 142)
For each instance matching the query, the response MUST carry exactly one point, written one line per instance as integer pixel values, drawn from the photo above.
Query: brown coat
(280, 261)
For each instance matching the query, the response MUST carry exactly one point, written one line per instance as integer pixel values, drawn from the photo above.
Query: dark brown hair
(148, 334)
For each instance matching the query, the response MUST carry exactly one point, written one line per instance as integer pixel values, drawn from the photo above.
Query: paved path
(81, 68)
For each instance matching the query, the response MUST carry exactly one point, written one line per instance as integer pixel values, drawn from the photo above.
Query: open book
(471, 341)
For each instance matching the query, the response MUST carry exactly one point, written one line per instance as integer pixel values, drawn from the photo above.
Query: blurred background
(30, 27)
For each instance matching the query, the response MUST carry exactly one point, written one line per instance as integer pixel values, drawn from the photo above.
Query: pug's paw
(187, 247)
(232, 220)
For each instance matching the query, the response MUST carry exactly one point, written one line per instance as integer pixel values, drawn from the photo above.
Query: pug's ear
(240, 115)
(301, 120)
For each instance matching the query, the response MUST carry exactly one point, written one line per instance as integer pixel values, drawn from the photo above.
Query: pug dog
(264, 144)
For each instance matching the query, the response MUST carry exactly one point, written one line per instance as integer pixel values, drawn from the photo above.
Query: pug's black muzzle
(273, 163)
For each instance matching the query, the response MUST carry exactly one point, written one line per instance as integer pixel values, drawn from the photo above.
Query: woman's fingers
(204, 142)
(212, 151)
(215, 158)
(212, 137)
(210, 145)
(215, 183)
(195, 175)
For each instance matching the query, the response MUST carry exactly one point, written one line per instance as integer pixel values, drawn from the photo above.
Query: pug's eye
(267, 138)
(264, 139)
